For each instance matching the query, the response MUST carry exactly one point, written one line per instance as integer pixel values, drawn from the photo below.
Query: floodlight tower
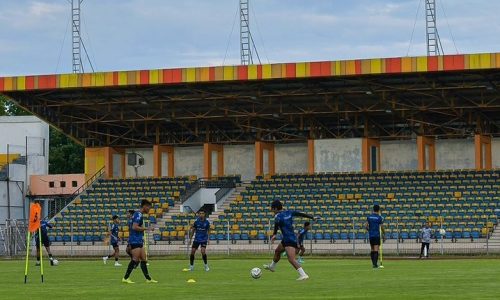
(434, 46)
(76, 36)
(245, 37)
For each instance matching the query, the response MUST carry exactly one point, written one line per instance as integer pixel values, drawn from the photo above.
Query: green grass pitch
(230, 279)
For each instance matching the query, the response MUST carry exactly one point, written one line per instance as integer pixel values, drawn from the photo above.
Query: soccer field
(230, 279)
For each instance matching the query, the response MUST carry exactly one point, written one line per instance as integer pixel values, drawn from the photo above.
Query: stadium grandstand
(418, 135)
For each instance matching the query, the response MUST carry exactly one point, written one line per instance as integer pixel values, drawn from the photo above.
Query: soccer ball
(256, 273)
(442, 231)
(56, 262)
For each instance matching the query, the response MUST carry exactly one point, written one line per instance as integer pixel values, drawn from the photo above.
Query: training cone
(191, 281)
(185, 270)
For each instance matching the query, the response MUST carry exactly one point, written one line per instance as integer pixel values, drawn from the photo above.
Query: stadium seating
(462, 202)
(89, 216)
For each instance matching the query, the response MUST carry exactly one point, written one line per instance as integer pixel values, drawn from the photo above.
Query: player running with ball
(283, 221)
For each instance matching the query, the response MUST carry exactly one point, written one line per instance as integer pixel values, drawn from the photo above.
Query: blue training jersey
(374, 223)
(136, 237)
(114, 233)
(201, 228)
(43, 228)
(302, 235)
(284, 221)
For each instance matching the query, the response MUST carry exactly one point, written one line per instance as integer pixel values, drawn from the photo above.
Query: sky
(35, 35)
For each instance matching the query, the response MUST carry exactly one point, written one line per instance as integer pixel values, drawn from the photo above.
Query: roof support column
(370, 155)
(310, 156)
(208, 150)
(158, 152)
(426, 153)
(483, 152)
(260, 148)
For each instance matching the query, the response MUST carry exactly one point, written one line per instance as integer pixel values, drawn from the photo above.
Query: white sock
(301, 272)
(272, 265)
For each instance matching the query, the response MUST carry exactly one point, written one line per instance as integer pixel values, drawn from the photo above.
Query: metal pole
(353, 239)
(268, 236)
(71, 232)
(228, 232)
(311, 240)
(397, 240)
(8, 182)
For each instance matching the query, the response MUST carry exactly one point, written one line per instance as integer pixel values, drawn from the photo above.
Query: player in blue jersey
(375, 227)
(201, 231)
(283, 221)
(113, 240)
(300, 238)
(44, 225)
(129, 223)
(136, 240)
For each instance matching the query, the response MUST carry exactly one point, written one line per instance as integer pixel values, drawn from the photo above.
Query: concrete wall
(15, 130)
(188, 161)
(198, 199)
(455, 154)
(495, 152)
(240, 159)
(291, 158)
(337, 155)
(40, 184)
(14, 207)
(142, 171)
(398, 155)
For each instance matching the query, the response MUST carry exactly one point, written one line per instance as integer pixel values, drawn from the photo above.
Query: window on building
(51, 184)
(63, 184)
(74, 183)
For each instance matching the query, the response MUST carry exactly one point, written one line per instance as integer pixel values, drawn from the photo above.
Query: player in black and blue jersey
(283, 221)
(375, 227)
(113, 240)
(44, 226)
(136, 240)
(300, 238)
(201, 231)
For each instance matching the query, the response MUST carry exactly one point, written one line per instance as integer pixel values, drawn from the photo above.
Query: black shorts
(375, 241)
(114, 244)
(301, 244)
(289, 244)
(135, 246)
(45, 242)
(196, 245)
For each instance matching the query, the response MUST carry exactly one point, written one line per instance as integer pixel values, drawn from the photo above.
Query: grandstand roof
(391, 98)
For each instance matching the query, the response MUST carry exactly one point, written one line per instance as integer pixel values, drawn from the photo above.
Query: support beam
(370, 147)
(208, 149)
(426, 153)
(260, 147)
(483, 152)
(158, 151)
(310, 156)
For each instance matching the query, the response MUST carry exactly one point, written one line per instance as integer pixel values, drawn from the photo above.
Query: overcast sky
(144, 34)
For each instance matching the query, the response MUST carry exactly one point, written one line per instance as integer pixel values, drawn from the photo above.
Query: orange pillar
(483, 152)
(259, 158)
(366, 145)
(310, 156)
(158, 151)
(208, 149)
(422, 143)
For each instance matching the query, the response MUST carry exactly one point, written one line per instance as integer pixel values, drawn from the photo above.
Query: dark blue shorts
(196, 244)
(45, 241)
(375, 241)
(135, 246)
(301, 244)
(289, 244)
(114, 244)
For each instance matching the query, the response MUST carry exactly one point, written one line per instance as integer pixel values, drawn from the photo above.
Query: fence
(226, 242)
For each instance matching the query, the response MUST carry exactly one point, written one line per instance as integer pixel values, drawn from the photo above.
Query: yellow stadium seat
(341, 197)
(239, 198)
(181, 233)
(254, 198)
(390, 196)
(457, 195)
(173, 234)
(177, 194)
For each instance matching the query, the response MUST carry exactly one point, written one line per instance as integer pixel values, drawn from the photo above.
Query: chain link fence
(228, 240)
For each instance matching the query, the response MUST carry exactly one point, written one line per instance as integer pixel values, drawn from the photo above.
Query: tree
(65, 156)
